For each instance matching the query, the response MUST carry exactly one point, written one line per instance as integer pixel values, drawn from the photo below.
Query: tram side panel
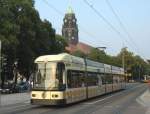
(109, 83)
(123, 82)
(75, 95)
(76, 90)
(116, 82)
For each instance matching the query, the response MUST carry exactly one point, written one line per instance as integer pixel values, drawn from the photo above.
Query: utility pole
(139, 72)
(123, 59)
(123, 63)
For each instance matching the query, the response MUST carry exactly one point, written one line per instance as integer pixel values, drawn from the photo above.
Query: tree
(25, 36)
(60, 43)
(101, 56)
(134, 64)
(79, 54)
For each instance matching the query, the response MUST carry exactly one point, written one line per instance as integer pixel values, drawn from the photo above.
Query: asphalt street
(134, 100)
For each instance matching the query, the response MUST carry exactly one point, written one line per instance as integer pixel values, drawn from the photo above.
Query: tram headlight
(33, 95)
(54, 95)
(44, 95)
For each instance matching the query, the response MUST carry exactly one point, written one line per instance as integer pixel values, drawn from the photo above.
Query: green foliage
(134, 64)
(61, 43)
(101, 56)
(79, 54)
(25, 36)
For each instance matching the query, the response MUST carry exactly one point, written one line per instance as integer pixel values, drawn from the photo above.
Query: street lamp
(103, 48)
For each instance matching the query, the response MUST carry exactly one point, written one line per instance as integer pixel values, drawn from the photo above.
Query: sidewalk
(144, 100)
(11, 99)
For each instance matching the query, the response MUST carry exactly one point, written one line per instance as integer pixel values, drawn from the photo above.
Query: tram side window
(75, 79)
(92, 79)
(115, 79)
(118, 79)
(103, 79)
(109, 79)
(69, 80)
(122, 79)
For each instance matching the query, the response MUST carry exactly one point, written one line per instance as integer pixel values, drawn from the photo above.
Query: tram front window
(48, 76)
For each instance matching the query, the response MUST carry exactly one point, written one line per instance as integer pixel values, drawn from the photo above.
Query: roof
(60, 57)
(47, 58)
(64, 57)
(86, 49)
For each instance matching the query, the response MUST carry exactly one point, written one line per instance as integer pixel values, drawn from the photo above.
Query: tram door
(61, 75)
(102, 83)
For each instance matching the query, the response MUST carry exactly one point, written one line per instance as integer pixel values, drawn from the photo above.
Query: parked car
(22, 87)
(7, 88)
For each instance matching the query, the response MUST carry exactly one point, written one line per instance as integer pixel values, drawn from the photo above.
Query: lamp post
(123, 62)
(15, 65)
(139, 72)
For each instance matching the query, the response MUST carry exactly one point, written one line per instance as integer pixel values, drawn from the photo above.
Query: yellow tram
(62, 79)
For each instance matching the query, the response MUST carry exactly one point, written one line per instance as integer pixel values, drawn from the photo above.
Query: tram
(63, 79)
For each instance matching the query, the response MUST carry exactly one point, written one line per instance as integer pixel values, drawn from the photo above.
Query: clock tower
(70, 27)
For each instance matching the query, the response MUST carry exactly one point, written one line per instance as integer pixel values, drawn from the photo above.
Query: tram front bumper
(48, 101)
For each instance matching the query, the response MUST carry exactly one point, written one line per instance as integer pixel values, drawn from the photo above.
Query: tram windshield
(49, 76)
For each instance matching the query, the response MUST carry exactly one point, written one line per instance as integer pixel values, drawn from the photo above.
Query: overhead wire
(107, 22)
(52, 7)
(93, 36)
(82, 28)
(104, 19)
(123, 26)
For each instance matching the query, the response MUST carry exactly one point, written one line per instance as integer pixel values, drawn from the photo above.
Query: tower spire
(70, 10)
(70, 27)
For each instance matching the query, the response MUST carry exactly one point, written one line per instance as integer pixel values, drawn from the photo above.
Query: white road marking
(144, 100)
(100, 100)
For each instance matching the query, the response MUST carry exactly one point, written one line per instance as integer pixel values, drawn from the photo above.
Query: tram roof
(65, 57)
(60, 57)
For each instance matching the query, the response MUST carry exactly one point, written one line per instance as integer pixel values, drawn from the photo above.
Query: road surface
(134, 100)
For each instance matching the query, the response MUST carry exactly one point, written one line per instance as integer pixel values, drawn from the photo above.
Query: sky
(93, 30)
